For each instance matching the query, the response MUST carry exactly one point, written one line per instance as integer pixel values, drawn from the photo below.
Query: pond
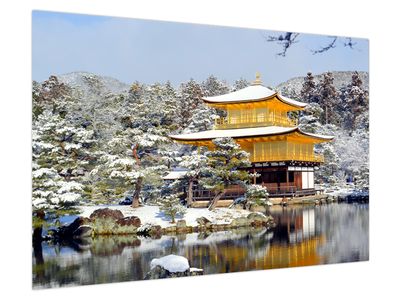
(304, 235)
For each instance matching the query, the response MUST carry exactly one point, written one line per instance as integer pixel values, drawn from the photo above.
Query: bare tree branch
(331, 45)
(286, 41)
(349, 43)
(289, 38)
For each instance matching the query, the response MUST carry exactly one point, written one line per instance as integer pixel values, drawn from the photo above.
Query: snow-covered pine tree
(224, 168)
(328, 172)
(171, 206)
(62, 154)
(194, 164)
(327, 96)
(203, 118)
(256, 195)
(308, 92)
(134, 156)
(240, 84)
(356, 99)
(189, 98)
(309, 120)
(169, 107)
(212, 86)
(46, 94)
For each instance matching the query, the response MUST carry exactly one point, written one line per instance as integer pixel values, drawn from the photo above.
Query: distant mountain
(340, 78)
(95, 85)
(92, 84)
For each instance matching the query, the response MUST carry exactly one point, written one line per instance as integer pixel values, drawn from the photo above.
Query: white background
(377, 278)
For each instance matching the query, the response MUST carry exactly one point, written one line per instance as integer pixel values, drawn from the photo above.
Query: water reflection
(303, 236)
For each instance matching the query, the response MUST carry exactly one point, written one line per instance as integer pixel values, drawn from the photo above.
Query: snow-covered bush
(171, 206)
(256, 195)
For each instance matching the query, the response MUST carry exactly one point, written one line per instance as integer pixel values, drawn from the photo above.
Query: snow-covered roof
(174, 175)
(243, 132)
(255, 92)
(291, 101)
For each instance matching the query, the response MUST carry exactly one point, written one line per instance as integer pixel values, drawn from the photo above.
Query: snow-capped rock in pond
(171, 266)
(171, 263)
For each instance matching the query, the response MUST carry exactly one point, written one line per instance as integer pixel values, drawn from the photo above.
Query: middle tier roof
(246, 133)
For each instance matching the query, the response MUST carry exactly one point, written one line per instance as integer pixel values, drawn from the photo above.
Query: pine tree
(135, 156)
(203, 118)
(62, 154)
(170, 107)
(194, 164)
(224, 168)
(256, 195)
(240, 84)
(189, 99)
(51, 95)
(357, 100)
(310, 118)
(214, 87)
(308, 92)
(328, 96)
(171, 206)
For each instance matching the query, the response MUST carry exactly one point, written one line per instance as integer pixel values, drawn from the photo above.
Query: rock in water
(83, 231)
(171, 266)
(203, 221)
(106, 213)
(70, 230)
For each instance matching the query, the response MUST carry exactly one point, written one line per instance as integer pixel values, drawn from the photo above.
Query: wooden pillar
(287, 175)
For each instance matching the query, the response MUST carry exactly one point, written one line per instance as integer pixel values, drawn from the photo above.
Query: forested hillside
(96, 139)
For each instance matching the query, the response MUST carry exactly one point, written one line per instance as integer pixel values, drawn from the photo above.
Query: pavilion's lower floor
(294, 179)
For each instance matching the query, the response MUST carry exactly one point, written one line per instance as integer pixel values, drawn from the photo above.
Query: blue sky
(157, 51)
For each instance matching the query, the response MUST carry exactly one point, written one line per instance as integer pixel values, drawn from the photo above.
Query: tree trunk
(37, 239)
(136, 193)
(326, 114)
(138, 185)
(190, 193)
(215, 200)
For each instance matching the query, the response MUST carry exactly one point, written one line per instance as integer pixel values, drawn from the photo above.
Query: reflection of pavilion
(294, 242)
(293, 225)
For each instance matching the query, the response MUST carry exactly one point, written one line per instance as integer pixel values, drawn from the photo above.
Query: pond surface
(304, 235)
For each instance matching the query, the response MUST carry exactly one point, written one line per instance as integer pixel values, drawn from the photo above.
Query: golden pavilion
(259, 120)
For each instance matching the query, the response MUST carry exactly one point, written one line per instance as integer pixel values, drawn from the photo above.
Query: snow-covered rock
(172, 263)
(171, 266)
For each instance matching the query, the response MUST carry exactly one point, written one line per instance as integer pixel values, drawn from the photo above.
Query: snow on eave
(291, 101)
(244, 133)
(252, 93)
(318, 136)
(233, 133)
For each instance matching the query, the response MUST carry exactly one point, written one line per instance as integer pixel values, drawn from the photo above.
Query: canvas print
(163, 149)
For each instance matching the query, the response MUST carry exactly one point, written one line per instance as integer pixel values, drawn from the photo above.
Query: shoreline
(148, 221)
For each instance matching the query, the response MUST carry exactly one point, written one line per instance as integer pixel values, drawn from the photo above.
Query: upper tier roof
(245, 132)
(252, 93)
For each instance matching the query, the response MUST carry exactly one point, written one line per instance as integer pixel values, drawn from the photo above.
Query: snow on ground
(339, 191)
(172, 263)
(152, 215)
